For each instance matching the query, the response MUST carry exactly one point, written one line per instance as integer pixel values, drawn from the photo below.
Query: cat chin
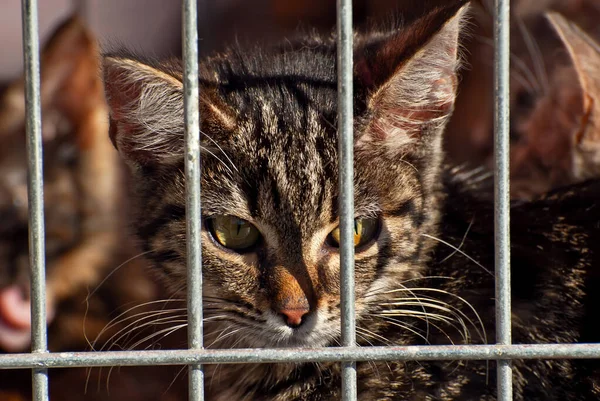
(296, 340)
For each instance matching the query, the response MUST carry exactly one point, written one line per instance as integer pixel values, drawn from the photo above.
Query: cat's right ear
(146, 110)
(408, 80)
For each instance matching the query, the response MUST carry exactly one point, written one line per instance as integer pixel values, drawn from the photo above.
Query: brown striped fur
(269, 156)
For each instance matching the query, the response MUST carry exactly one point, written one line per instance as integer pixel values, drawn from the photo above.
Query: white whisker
(459, 251)
(536, 55)
(459, 245)
(113, 271)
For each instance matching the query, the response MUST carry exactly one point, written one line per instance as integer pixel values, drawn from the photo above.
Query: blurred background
(152, 27)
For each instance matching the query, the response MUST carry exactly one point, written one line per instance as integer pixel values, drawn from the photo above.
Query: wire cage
(40, 360)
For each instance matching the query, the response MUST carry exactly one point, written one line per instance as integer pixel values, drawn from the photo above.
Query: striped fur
(269, 147)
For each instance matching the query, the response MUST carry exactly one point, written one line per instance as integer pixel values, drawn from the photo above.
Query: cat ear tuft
(146, 110)
(409, 78)
(585, 54)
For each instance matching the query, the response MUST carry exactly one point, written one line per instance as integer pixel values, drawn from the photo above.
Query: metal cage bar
(346, 185)
(39, 360)
(279, 355)
(35, 192)
(193, 207)
(501, 192)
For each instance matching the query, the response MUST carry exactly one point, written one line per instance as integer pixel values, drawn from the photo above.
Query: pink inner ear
(120, 93)
(393, 119)
(404, 122)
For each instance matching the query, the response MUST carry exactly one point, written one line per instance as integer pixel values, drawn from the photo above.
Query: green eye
(233, 232)
(365, 230)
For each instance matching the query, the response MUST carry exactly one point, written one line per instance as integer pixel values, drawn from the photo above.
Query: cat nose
(294, 317)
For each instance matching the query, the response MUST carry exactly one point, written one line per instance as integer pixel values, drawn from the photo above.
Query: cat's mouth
(15, 319)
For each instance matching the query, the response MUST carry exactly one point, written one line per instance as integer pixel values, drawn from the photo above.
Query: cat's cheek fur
(398, 259)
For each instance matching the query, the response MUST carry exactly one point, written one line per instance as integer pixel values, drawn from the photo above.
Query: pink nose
(293, 317)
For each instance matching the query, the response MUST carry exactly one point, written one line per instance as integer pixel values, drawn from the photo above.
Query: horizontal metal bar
(281, 355)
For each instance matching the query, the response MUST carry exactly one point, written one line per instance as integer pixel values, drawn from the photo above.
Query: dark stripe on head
(407, 207)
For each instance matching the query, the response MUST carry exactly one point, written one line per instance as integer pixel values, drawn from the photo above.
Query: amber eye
(365, 230)
(233, 232)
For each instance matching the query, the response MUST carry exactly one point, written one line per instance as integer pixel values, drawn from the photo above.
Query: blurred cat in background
(551, 93)
(93, 274)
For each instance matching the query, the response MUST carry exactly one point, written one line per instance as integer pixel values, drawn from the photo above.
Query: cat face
(558, 139)
(270, 174)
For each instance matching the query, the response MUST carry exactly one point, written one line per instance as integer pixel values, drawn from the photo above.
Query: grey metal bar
(299, 355)
(501, 192)
(35, 192)
(193, 207)
(346, 184)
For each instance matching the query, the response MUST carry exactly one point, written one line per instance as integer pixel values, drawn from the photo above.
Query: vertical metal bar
(501, 193)
(35, 181)
(193, 207)
(346, 200)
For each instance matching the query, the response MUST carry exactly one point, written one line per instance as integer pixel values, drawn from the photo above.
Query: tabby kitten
(270, 203)
(78, 225)
(558, 142)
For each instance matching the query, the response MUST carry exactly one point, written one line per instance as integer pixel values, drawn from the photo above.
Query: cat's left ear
(408, 79)
(146, 110)
(585, 53)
